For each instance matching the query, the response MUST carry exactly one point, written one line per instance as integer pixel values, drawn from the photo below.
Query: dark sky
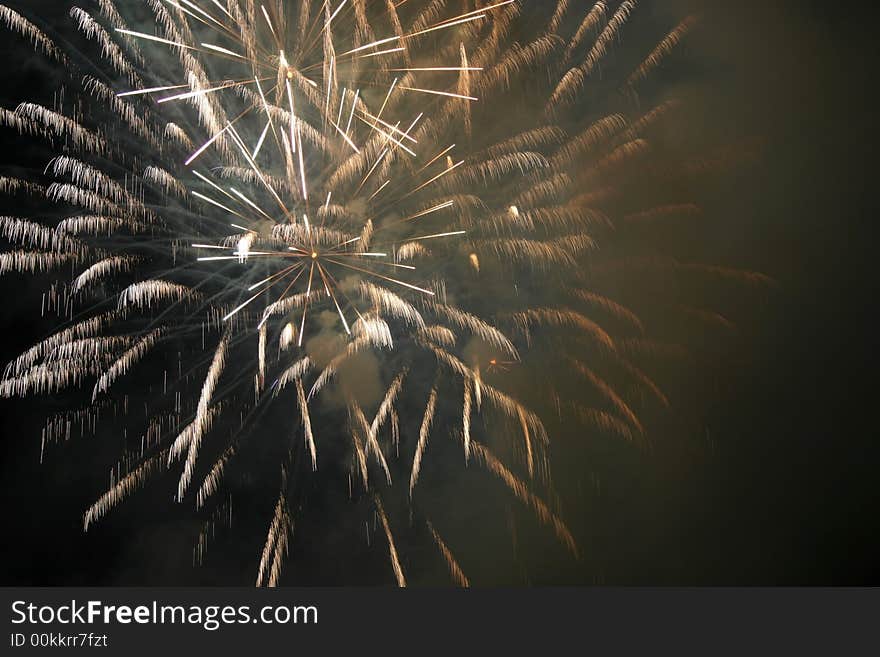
(782, 492)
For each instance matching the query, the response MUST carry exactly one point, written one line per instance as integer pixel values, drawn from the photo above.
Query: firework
(272, 199)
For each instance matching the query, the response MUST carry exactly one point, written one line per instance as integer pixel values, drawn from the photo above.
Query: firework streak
(250, 201)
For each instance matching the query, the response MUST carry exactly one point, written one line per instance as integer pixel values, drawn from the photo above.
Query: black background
(786, 491)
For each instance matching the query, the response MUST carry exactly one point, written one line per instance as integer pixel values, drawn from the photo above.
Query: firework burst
(328, 201)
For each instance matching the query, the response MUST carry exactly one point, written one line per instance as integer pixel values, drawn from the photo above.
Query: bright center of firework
(314, 255)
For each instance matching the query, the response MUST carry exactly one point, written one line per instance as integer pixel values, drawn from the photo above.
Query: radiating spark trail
(157, 262)
(387, 278)
(206, 145)
(150, 37)
(439, 93)
(139, 92)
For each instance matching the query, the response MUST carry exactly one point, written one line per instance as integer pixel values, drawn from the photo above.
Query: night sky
(770, 475)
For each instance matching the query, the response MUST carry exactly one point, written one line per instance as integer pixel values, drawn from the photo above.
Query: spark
(437, 157)
(206, 145)
(150, 37)
(351, 114)
(334, 14)
(261, 140)
(438, 176)
(382, 52)
(268, 21)
(239, 307)
(441, 206)
(224, 51)
(213, 202)
(430, 237)
(139, 92)
(439, 93)
(389, 137)
(201, 92)
(383, 277)
(440, 68)
(345, 137)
